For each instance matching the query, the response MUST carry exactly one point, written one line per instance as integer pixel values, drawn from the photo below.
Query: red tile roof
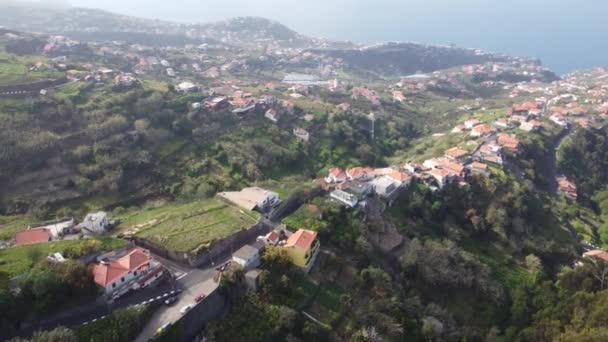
(302, 239)
(107, 272)
(32, 236)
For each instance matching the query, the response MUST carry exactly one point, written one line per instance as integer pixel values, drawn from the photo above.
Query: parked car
(170, 301)
(200, 297)
(185, 309)
(162, 328)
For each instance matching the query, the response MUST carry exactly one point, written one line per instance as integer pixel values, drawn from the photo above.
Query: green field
(186, 227)
(9, 225)
(14, 70)
(18, 260)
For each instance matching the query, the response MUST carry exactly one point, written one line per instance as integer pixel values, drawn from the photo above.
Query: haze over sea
(565, 34)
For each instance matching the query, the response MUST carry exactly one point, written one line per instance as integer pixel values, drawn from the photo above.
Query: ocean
(565, 34)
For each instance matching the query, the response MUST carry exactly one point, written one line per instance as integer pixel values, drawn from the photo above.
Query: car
(200, 297)
(162, 328)
(185, 309)
(170, 301)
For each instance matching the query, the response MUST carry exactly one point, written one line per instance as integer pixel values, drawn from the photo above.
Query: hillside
(452, 191)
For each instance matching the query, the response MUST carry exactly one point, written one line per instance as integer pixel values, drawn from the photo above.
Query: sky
(565, 34)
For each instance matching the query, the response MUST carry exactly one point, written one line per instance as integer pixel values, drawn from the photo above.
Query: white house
(134, 270)
(344, 197)
(252, 198)
(186, 87)
(96, 223)
(247, 256)
(385, 186)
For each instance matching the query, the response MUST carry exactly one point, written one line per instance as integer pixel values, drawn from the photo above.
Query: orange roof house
(111, 274)
(456, 153)
(303, 247)
(597, 254)
(32, 236)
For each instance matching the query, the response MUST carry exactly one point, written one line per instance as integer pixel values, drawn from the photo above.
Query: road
(170, 314)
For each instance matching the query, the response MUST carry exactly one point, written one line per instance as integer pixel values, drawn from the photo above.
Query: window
(134, 273)
(113, 285)
(122, 279)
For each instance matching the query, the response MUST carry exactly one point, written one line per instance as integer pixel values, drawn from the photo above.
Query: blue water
(565, 34)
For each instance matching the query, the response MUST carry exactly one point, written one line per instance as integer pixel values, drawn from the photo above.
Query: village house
(216, 103)
(95, 223)
(360, 173)
(131, 271)
(402, 178)
(529, 126)
(503, 123)
(567, 187)
(457, 154)
(398, 96)
(124, 81)
(385, 187)
(186, 87)
(559, 119)
(32, 236)
(303, 247)
(479, 168)
(242, 102)
(459, 129)
(469, 124)
(348, 199)
(252, 198)
(270, 239)
(481, 130)
(273, 115)
(440, 175)
(336, 175)
(247, 256)
(509, 142)
(301, 133)
(596, 254)
(344, 106)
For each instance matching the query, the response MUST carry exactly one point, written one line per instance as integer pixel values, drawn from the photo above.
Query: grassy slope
(17, 260)
(184, 227)
(14, 70)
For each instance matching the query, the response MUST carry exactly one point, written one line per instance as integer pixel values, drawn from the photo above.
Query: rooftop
(302, 239)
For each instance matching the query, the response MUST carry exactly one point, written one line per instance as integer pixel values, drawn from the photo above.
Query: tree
(277, 259)
(59, 334)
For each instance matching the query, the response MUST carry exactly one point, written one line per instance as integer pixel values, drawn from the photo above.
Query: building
(301, 133)
(272, 238)
(469, 124)
(216, 103)
(124, 81)
(133, 270)
(481, 130)
(350, 200)
(597, 254)
(360, 173)
(252, 198)
(509, 142)
(385, 187)
(32, 236)
(477, 167)
(457, 154)
(186, 87)
(303, 247)
(532, 125)
(247, 256)
(567, 187)
(336, 175)
(441, 176)
(273, 115)
(252, 279)
(95, 223)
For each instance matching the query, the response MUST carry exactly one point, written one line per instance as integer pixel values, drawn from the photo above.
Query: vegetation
(19, 260)
(122, 325)
(186, 227)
